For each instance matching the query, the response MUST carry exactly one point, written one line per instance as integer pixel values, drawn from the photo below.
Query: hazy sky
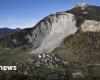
(26, 13)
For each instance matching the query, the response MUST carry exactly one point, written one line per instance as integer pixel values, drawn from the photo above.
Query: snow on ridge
(82, 5)
(90, 25)
(62, 26)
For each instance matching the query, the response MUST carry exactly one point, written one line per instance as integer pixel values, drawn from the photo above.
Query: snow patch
(85, 12)
(81, 5)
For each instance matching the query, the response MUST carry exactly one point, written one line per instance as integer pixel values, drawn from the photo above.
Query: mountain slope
(75, 32)
(85, 44)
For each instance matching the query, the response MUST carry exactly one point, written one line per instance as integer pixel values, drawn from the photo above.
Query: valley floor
(55, 66)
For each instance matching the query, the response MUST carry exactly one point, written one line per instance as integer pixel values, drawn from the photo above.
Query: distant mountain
(5, 31)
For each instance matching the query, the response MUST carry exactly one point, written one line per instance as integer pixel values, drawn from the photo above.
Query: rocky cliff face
(51, 34)
(52, 30)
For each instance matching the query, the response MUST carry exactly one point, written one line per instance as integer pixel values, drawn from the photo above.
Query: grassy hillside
(8, 55)
(84, 47)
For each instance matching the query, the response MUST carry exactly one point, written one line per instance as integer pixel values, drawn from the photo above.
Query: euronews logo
(10, 68)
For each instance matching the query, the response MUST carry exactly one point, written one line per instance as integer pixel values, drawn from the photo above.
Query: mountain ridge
(87, 22)
(6, 31)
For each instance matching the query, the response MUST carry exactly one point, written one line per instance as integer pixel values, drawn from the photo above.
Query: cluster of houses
(49, 60)
(71, 71)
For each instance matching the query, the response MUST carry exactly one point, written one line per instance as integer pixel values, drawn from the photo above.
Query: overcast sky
(26, 13)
